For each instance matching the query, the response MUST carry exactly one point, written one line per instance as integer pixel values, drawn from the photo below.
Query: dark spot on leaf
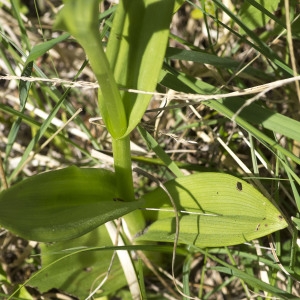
(239, 186)
(118, 199)
(264, 218)
(257, 227)
(280, 217)
(266, 225)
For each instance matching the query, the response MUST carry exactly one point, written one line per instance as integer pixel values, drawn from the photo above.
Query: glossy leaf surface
(215, 210)
(62, 204)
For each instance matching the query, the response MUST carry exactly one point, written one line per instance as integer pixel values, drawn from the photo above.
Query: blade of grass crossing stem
(219, 288)
(136, 50)
(80, 18)
(152, 144)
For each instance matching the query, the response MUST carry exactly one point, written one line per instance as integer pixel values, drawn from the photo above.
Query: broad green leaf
(61, 205)
(80, 18)
(70, 265)
(136, 50)
(215, 210)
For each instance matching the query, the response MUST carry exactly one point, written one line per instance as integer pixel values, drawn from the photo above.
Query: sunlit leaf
(61, 205)
(215, 210)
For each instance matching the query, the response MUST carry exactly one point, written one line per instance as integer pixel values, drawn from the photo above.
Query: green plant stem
(122, 163)
(80, 19)
(109, 99)
(122, 160)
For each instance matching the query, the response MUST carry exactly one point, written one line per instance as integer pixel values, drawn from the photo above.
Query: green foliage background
(227, 102)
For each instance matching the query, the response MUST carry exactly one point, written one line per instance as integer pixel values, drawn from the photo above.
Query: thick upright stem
(122, 162)
(122, 158)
